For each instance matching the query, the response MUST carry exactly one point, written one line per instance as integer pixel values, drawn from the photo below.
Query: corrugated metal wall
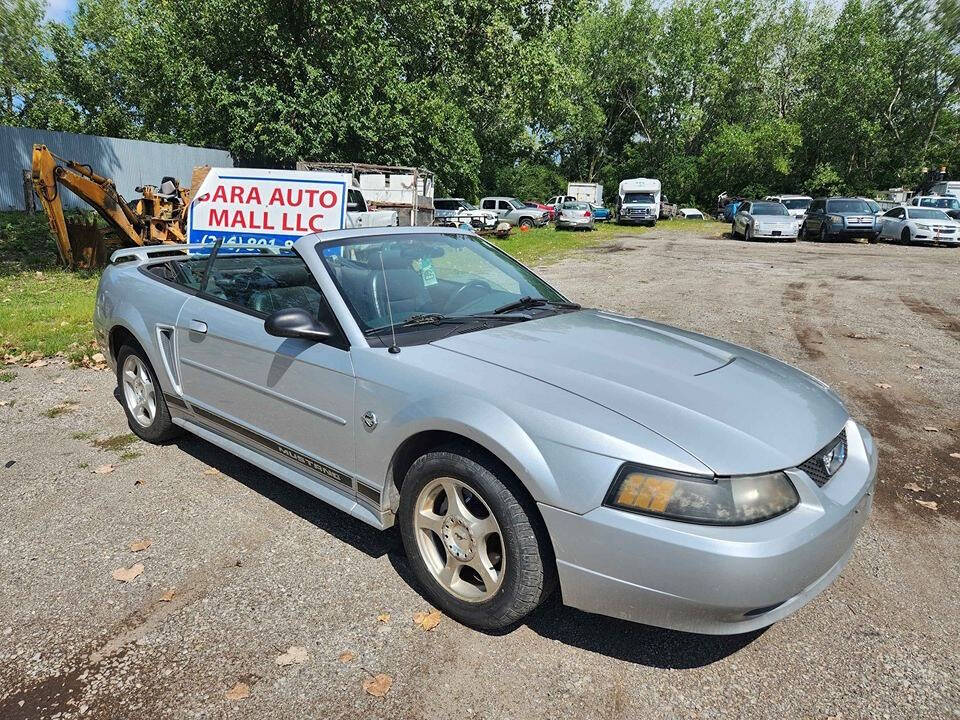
(129, 162)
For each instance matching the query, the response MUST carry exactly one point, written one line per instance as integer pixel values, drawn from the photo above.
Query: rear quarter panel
(129, 298)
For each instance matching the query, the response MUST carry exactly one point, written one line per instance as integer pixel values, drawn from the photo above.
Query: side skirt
(317, 479)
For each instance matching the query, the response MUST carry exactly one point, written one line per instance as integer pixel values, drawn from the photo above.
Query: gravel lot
(256, 566)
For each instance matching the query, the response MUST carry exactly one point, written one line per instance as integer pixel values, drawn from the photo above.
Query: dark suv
(837, 218)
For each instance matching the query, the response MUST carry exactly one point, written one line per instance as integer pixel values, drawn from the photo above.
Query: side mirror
(296, 323)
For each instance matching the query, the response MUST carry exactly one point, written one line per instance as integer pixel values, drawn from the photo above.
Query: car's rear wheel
(733, 231)
(748, 233)
(142, 397)
(526, 223)
(474, 541)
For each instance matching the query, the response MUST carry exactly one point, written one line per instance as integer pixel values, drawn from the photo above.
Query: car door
(288, 398)
(504, 209)
(890, 222)
(740, 220)
(814, 217)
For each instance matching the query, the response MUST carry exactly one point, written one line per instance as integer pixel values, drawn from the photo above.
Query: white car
(760, 220)
(908, 223)
(796, 204)
(690, 214)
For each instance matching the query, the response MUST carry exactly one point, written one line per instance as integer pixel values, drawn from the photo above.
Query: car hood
(735, 410)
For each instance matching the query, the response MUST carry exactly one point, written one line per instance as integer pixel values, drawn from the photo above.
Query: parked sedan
(600, 213)
(919, 224)
(548, 209)
(839, 218)
(422, 377)
(759, 220)
(574, 215)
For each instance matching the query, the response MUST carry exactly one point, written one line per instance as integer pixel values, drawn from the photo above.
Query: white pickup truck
(359, 217)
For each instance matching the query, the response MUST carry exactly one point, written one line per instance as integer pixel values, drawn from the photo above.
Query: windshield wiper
(529, 302)
(441, 319)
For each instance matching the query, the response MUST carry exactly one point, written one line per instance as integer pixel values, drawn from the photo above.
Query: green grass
(63, 409)
(116, 443)
(81, 435)
(542, 246)
(7, 376)
(48, 313)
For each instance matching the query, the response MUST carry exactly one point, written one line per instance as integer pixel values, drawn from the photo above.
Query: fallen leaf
(915, 367)
(211, 471)
(927, 504)
(127, 574)
(98, 358)
(427, 621)
(346, 656)
(168, 595)
(913, 487)
(138, 482)
(38, 274)
(378, 685)
(931, 428)
(882, 386)
(240, 691)
(104, 469)
(955, 455)
(383, 617)
(140, 545)
(295, 655)
(38, 364)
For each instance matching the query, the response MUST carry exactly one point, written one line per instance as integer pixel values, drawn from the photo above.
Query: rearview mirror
(296, 323)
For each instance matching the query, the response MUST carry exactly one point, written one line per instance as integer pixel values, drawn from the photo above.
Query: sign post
(267, 207)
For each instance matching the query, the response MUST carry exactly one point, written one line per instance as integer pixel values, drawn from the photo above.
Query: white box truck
(638, 201)
(586, 192)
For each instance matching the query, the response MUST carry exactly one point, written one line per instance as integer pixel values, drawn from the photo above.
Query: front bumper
(847, 233)
(929, 236)
(777, 234)
(716, 580)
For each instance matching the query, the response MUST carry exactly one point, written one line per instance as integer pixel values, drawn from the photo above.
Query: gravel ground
(256, 567)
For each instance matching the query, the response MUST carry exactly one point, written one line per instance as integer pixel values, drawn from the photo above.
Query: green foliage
(513, 96)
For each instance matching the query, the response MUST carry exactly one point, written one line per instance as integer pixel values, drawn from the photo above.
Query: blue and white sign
(267, 207)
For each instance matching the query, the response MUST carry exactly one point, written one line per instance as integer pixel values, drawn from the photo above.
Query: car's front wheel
(473, 539)
(526, 223)
(824, 235)
(905, 236)
(142, 397)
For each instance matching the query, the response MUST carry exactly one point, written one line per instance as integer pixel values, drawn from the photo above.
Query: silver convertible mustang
(420, 376)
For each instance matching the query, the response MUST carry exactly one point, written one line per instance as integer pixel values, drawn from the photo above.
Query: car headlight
(836, 219)
(739, 500)
(921, 226)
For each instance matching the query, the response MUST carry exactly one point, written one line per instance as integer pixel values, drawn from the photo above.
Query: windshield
(638, 197)
(450, 274)
(574, 206)
(848, 206)
(926, 214)
(765, 208)
(796, 203)
(873, 205)
(517, 204)
(941, 202)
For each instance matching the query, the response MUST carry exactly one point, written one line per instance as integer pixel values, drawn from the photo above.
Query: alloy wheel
(138, 391)
(459, 539)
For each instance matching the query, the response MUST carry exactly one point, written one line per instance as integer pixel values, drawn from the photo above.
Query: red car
(540, 206)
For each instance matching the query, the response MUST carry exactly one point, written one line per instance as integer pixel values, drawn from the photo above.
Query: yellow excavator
(160, 216)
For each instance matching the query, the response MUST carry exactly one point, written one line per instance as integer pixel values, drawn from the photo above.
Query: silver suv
(515, 212)
(838, 218)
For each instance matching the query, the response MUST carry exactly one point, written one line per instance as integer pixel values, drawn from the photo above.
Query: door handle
(198, 326)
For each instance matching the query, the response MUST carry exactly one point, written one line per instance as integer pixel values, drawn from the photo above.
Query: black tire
(824, 235)
(526, 223)
(905, 236)
(748, 234)
(873, 239)
(162, 428)
(804, 232)
(733, 230)
(530, 568)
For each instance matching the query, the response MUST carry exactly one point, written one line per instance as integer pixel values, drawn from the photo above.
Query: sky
(60, 9)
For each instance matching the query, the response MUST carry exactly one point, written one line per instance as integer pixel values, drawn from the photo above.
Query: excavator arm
(97, 191)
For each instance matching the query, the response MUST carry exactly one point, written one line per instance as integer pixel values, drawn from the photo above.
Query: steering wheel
(452, 302)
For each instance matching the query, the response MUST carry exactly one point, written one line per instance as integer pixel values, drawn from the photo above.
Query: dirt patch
(618, 246)
(948, 321)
